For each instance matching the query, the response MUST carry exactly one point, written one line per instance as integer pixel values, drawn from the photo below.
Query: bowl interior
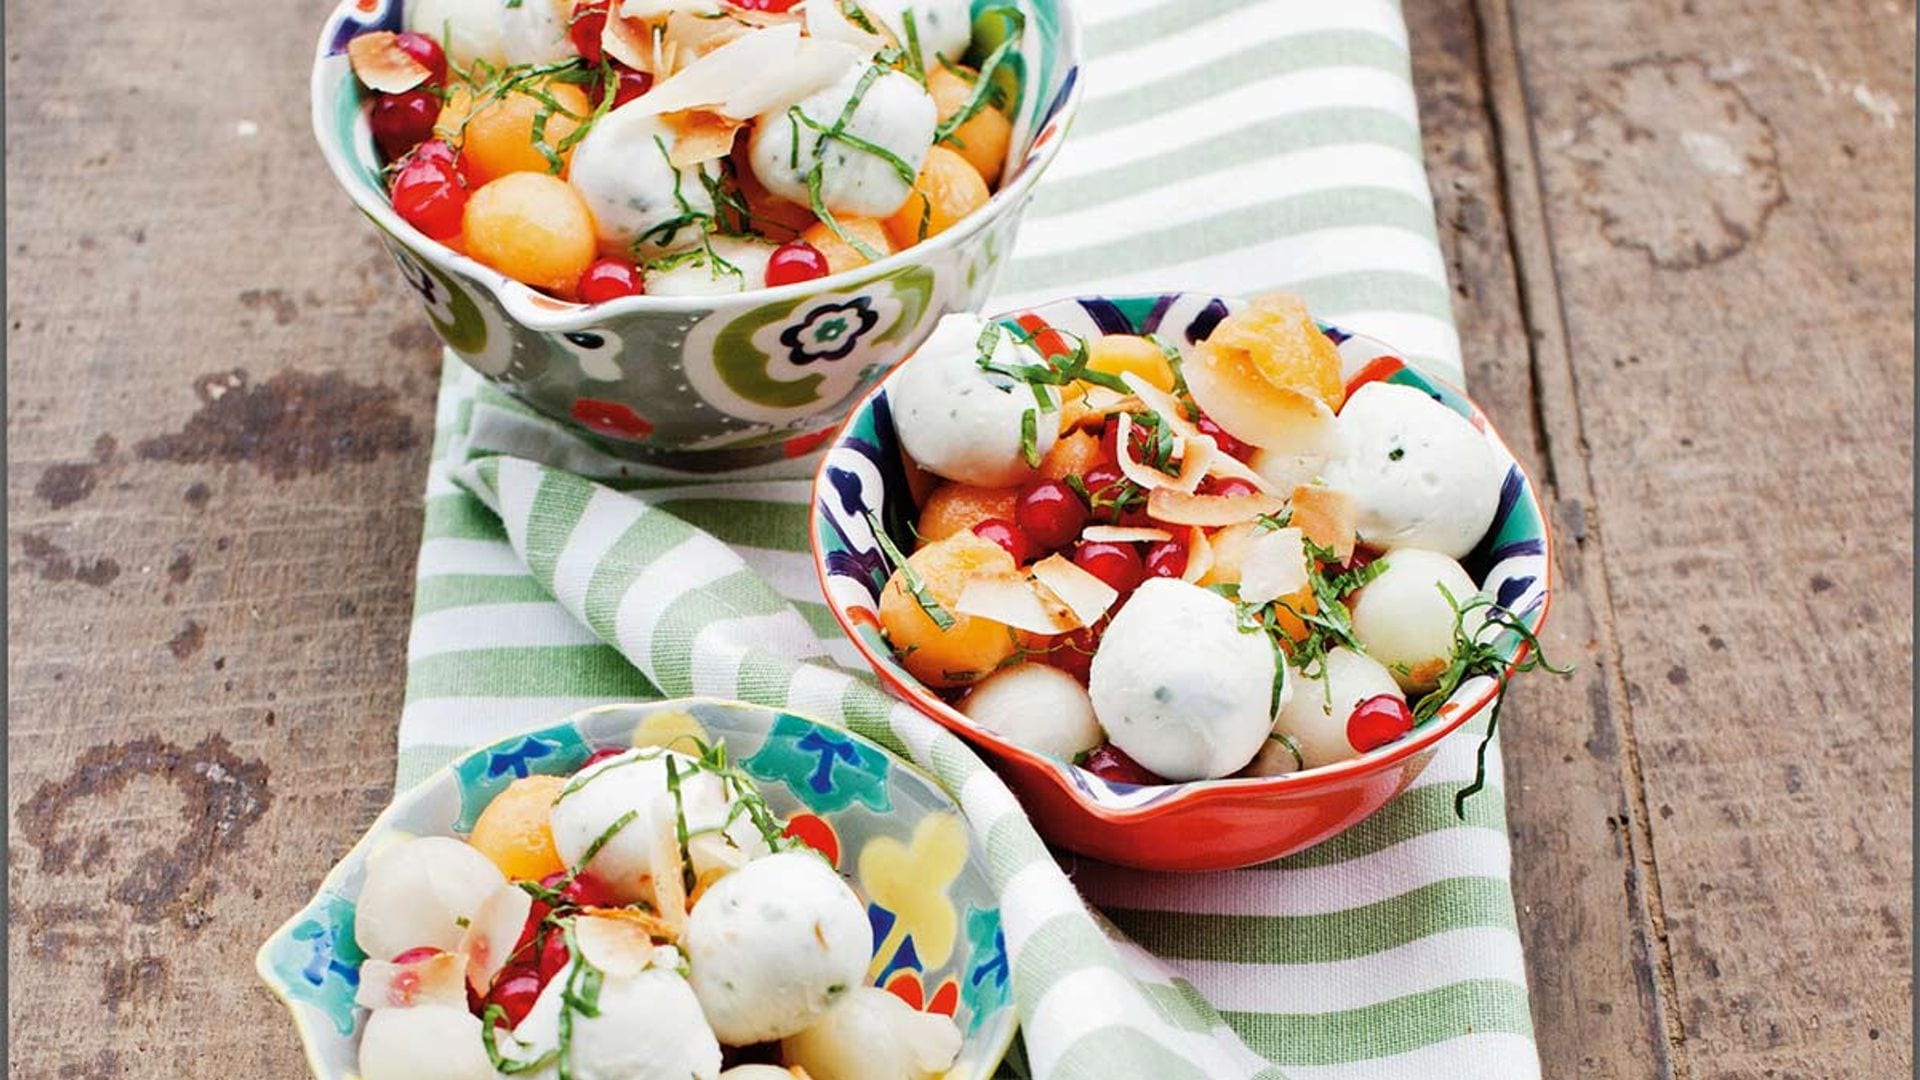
(864, 477)
(938, 940)
(1041, 71)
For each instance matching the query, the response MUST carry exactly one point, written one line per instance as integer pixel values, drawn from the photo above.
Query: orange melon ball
(957, 508)
(842, 255)
(496, 135)
(984, 137)
(1073, 455)
(1116, 354)
(1278, 338)
(513, 831)
(946, 190)
(970, 647)
(1229, 551)
(531, 227)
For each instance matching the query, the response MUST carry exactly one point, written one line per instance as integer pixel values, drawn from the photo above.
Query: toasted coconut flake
(759, 71)
(1161, 404)
(439, 979)
(1210, 511)
(1325, 516)
(1102, 401)
(630, 41)
(381, 64)
(1085, 595)
(1014, 600)
(1123, 534)
(669, 882)
(696, 35)
(1274, 566)
(618, 941)
(699, 135)
(1199, 554)
(491, 934)
(1195, 454)
(660, 9)
(1226, 465)
(1257, 412)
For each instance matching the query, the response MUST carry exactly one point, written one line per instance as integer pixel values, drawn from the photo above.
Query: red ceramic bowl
(1199, 825)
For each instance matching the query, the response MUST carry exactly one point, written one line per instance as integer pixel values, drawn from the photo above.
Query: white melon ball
(1315, 716)
(894, 113)
(1283, 471)
(943, 28)
(595, 800)
(962, 422)
(1178, 686)
(774, 944)
(642, 205)
(736, 264)
(1036, 706)
(420, 892)
(649, 1027)
(1419, 473)
(467, 30)
(873, 1035)
(535, 32)
(1403, 619)
(424, 1042)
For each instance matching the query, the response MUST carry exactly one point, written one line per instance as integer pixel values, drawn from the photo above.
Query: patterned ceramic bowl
(1203, 825)
(937, 937)
(706, 383)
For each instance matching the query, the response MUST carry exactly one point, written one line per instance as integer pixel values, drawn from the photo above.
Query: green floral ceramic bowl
(708, 383)
(886, 826)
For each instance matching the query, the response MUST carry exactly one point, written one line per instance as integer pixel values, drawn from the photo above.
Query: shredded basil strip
(916, 586)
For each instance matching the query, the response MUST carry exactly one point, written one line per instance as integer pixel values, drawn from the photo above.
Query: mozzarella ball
(774, 944)
(649, 1027)
(943, 28)
(599, 796)
(1404, 620)
(742, 266)
(535, 32)
(962, 422)
(894, 113)
(1178, 686)
(1036, 706)
(1315, 716)
(1420, 474)
(419, 892)
(873, 1035)
(424, 1042)
(641, 203)
(467, 30)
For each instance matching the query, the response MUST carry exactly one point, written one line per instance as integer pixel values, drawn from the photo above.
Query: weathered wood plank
(1576, 881)
(1720, 289)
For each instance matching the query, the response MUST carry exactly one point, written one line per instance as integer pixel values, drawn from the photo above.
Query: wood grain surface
(1681, 238)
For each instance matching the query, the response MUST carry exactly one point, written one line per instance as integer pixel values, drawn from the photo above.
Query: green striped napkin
(1223, 145)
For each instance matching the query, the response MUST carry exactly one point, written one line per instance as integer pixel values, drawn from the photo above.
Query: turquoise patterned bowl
(888, 828)
(707, 383)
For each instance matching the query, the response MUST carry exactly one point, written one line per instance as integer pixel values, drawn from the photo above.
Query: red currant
(554, 954)
(1110, 441)
(416, 954)
(1116, 564)
(1378, 721)
(403, 121)
(1226, 487)
(428, 52)
(585, 891)
(631, 84)
(795, 261)
(1007, 535)
(763, 5)
(515, 991)
(588, 23)
(599, 756)
(1107, 762)
(1050, 514)
(609, 279)
(1103, 482)
(430, 192)
(1228, 445)
(1073, 652)
(1167, 558)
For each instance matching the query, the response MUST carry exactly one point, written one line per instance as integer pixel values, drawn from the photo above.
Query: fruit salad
(1170, 564)
(595, 149)
(646, 917)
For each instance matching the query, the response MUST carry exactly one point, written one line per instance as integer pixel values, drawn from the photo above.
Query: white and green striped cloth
(1223, 145)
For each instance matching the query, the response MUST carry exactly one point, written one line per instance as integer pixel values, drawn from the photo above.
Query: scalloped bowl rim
(1190, 792)
(527, 306)
(262, 957)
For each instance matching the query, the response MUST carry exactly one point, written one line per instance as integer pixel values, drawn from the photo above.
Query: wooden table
(1681, 236)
